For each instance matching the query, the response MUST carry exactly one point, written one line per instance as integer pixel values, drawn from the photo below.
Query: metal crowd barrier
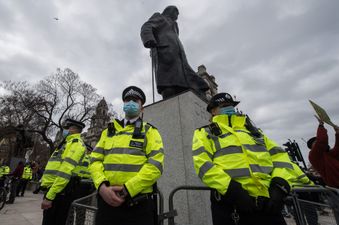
(306, 205)
(315, 205)
(83, 210)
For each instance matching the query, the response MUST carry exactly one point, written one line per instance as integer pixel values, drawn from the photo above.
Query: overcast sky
(272, 55)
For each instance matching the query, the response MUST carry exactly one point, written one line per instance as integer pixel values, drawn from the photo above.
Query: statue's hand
(151, 44)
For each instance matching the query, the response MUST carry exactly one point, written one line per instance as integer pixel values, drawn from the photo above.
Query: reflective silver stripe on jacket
(276, 150)
(241, 172)
(94, 160)
(71, 161)
(156, 164)
(204, 168)
(228, 150)
(301, 176)
(261, 169)
(256, 148)
(99, 150)
(155, 152)
(55, 159)
(283, 165)
(127, 151)
(214, 138)
(58, 173)
(202, 150)
(122, 167)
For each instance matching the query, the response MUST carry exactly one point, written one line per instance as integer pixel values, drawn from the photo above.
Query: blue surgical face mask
(228, 110)
(65, 133)
(131, 109)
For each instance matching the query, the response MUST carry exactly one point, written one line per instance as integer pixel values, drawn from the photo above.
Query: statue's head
(172, 12)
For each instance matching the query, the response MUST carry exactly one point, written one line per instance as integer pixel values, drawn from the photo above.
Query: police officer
(125, 164)
(244, 167)
(26, 177)
(58, 177)
(4, 171)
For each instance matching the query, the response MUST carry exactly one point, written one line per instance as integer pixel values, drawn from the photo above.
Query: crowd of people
(18, 178)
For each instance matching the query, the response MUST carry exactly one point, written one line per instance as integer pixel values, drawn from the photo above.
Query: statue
(173, 74)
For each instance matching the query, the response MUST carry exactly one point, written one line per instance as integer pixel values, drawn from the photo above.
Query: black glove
(151, 44)
(279, 189)
(239, 197)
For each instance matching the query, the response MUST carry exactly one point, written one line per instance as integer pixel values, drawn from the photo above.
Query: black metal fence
(307, 205)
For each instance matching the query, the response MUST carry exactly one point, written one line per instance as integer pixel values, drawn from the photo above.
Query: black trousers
(140, 214)
(12, 190)
(21, 187)
(222, 215)
(57, 214)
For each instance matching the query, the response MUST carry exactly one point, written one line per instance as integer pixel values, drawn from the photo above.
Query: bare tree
(42, 108)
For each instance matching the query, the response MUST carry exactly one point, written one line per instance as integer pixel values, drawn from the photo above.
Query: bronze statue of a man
(172, 72)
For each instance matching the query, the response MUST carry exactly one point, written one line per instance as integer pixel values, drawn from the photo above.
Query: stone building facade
(210, 80)
(99, 122)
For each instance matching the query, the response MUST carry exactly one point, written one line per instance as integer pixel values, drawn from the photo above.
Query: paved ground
(25, 210)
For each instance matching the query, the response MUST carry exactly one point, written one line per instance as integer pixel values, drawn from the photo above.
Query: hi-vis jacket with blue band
(60, 167)
(238, 155)
(121, 159)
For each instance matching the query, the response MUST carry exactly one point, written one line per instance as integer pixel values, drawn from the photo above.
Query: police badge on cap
(133, 91)
(220, 99)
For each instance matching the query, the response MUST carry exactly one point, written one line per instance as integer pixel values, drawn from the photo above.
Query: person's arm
(335, 150)
(147, 29)
(152, 169)
(74, 155)
(212, 175)
(319, 147)
(96, 166)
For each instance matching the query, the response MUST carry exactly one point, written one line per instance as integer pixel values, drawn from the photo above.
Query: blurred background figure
(324, 159)
(26, 177)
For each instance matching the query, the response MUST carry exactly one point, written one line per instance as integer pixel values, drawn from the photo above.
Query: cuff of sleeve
(131, 187)
(50, 196)
(104, 182)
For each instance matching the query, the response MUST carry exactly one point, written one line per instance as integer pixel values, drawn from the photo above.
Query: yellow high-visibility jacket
(296, 177)
(27, 174)
(82, 170)
(238, 155)
(4, 170)
(122, 160)
(61, 165)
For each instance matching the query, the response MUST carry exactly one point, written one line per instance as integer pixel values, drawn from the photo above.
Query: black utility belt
(139, 198)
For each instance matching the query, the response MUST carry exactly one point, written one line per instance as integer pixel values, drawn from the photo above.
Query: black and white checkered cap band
(132, 92)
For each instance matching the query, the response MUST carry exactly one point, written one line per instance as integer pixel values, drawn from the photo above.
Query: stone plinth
(176, 119)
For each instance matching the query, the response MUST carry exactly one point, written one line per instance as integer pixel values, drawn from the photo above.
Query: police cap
(70, 122)
(220, 99)
(133, 91)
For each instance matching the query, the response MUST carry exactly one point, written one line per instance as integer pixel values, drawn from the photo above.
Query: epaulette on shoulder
(75, 140)
(206, 126)
(151, 125)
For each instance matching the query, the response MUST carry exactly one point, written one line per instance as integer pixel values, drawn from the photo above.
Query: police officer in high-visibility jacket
(125, 164)
(58, 177)
(25, 178)
(243, 166)
(4, 171)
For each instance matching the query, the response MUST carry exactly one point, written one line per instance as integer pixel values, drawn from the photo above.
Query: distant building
(210, 80)
(99, 122)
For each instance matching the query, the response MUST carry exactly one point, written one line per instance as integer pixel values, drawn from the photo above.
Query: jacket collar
(236, 120)
(72, 136)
